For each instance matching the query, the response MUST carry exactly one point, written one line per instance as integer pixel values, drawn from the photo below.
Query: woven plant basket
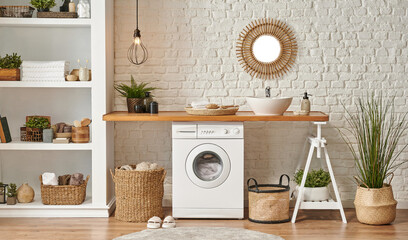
(132, 102)
(139, 194)
(375, 206)
(63, 194)
(268, 203)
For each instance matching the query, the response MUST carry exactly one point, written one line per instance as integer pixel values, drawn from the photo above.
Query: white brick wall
(346, 47)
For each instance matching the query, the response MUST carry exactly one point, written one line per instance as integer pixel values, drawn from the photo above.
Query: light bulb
(137, 52)
(137, 40)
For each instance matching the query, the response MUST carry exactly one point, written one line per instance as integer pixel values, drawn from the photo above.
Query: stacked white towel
(44, 71)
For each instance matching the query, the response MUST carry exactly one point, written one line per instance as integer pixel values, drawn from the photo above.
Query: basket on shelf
(32, 134)
(57, 15)
(139, 194)
(16, 11)
(63, 194)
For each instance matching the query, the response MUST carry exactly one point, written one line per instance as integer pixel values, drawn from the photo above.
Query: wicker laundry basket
(139, 194)
(268, 203)
(63, 194)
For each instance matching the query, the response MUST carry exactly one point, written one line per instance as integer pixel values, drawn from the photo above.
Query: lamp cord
(137, 14)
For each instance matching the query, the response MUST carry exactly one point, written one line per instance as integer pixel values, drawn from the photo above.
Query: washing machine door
(208, 165)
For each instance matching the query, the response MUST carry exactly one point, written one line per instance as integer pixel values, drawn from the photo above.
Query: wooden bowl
(72, 78)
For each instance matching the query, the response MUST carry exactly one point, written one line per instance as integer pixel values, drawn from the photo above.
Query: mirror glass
(266, 48)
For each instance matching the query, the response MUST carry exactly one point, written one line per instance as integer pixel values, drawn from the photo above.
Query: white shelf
(66, 84)
(37, 209)
(45, 22)
(18, 145)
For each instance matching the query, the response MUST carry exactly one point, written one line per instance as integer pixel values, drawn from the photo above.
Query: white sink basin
(269, 106)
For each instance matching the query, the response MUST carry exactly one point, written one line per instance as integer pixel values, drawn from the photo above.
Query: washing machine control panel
(220, 131)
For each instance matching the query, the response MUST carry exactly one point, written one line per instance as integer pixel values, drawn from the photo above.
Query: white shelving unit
(19, 84)
(63, 101)
(45, 22)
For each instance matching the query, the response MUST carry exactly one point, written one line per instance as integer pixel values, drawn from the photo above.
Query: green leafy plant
(12, 190)
(376, 130)
(10, 61)
(43, 4)
(315, 178)
(38, 122)
(134, 90)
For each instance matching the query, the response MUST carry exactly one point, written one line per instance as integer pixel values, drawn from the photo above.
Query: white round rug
(199, 233)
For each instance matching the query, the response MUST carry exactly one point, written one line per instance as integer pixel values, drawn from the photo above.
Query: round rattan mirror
(266, 48)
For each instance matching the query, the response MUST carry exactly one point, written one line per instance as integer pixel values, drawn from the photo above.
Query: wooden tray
(57, 15)
(212, 112)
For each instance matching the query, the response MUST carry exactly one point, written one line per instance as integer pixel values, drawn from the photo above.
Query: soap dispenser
(305, 105)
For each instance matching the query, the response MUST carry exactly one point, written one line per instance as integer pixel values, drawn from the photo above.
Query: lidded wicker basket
(63, 194)
(268, 203)
(139, 194)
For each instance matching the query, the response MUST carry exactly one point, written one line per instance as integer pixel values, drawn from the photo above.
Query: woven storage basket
(139, 194)
(63, 194)
(268, 203)
(16, 11)
(375, 206)
(212, 112)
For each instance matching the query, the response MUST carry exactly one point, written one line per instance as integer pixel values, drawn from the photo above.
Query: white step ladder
(318, 143)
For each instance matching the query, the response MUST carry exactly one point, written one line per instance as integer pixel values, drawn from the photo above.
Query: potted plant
(374, 141)
(34, 128)
(2, 193)
(134, 93)
(12, 194)
(43, 5)
(316, 184)
(10, 67)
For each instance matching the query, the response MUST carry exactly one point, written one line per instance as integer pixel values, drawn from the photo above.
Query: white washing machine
(208, 170)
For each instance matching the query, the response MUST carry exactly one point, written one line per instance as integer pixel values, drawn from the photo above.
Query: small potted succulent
(43, 5)
(10, 67)
(135, 93)
(12, 194)
(315, 186)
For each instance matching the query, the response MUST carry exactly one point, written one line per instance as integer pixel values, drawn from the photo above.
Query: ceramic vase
(25, 193)
(83, 74)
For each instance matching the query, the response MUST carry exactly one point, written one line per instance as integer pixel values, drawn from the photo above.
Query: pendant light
(137, 52)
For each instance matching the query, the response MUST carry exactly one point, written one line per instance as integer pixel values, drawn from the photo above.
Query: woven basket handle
(256, 183)
(87, 179)
(392, 177)
(280, 179)
(164, 175)
(113, 176)
(359, 182)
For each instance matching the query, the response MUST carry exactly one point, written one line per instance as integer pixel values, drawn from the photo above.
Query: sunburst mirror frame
(274, 28)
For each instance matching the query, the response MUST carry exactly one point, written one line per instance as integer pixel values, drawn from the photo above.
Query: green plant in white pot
(376, 129)
(316, 184)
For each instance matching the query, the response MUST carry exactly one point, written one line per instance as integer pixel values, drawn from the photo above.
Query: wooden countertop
(181, 116)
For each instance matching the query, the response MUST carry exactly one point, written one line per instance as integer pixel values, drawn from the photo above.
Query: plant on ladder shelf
(376, 130)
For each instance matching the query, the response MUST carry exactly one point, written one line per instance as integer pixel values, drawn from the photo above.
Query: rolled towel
(49, 179)
(76, 179)
(153, 166)
(126, 167)
(47, 74)
(199, 104)
(143, 166)
(64, 180)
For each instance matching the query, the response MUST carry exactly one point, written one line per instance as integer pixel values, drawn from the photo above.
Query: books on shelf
(5, 135)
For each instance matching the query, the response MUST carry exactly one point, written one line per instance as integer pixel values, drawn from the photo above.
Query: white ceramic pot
(315, 194)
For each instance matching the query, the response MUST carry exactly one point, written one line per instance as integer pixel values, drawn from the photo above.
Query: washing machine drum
(208, 165)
